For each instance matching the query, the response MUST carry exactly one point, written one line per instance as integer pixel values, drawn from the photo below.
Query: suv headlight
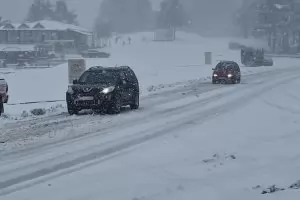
(70, 90)
(229, 75)
(215, 75)
(108, 90)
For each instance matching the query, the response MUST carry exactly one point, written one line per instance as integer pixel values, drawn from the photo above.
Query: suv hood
(90, 88)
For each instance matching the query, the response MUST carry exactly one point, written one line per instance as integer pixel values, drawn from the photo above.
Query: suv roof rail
(225, 61)
(96, 67)
(124, 66)
(102, 67)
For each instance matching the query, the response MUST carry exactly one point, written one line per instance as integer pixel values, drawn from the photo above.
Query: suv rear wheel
(1, 106)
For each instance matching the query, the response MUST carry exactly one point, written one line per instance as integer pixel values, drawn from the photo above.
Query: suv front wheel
(115, 105)
(72, 110)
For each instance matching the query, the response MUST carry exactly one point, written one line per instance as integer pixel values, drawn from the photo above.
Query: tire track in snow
(195, 116)
(58, 122)
(155, 97)
(42, 129)
(124, 122)
(116, 125)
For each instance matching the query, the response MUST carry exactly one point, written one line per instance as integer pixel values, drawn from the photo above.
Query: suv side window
(130, 76)
(218, 67)
(122, 75)
(236, 66)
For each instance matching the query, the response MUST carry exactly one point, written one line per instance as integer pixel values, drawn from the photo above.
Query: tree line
(125, 16)
(137, 15)
(121, 16)
(44, 9)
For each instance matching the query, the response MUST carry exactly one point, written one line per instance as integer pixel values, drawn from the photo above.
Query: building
(280, 22)
(45, 31)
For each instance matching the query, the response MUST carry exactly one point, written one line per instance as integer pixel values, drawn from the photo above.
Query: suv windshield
(224, 66)
(103, 76)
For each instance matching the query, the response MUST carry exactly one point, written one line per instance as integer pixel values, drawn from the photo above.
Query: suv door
(124, 87)
(133, 87)
(237, 70)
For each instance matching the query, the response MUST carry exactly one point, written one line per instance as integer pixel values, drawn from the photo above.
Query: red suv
(226, 72)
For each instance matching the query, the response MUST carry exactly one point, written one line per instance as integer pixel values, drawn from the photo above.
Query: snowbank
(247, 153)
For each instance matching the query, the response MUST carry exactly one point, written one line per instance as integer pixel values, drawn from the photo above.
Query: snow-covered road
(57, 128)
(95, 157)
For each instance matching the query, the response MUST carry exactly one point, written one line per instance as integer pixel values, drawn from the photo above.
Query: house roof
(16, 47)
(45, 25)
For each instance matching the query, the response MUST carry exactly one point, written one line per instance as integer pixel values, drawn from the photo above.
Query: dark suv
(104, 89)
(226, 72)
(3, 94)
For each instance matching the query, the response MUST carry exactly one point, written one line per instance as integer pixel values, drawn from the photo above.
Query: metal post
(75, 67)
(208, 58)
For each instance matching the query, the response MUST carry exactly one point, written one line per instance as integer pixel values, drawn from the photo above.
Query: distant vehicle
(92, 53)
(226, 72)
(252, 57)
(104, 89)
(3, 94)
(236, 46)
(268, 62)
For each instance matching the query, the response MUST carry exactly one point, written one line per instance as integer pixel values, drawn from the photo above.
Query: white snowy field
(226, 143)
(158, 65)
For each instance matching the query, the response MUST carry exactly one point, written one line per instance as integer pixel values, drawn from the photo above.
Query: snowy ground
(221, 143)
(192, 140)
(158, 65)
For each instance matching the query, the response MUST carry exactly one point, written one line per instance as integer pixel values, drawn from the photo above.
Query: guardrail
(33, 102)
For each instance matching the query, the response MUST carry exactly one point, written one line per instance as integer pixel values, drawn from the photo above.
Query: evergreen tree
(62, 13)
(144, 13)
(43, 9)
(3, 22)
(171, 14)
(40, 10)
(103, 29)
(212, 17)
(126, 15)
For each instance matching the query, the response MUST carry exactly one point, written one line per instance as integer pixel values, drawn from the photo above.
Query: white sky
(87, 10)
